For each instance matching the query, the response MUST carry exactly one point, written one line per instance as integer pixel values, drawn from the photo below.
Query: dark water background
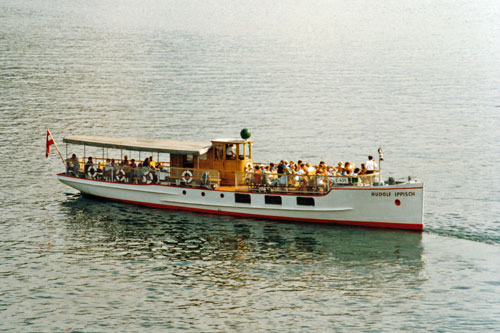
(321, 80)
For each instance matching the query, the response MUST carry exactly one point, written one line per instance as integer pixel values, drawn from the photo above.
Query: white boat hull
(397, 206)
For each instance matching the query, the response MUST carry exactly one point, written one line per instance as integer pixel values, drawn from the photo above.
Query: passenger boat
(219, 177)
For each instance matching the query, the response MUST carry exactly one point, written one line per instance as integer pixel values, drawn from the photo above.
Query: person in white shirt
(371, 165)
(230, 154)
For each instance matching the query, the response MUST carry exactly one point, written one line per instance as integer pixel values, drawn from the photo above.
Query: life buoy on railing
(187, 176)
(148, 177)
(120, 175)
(92, 172)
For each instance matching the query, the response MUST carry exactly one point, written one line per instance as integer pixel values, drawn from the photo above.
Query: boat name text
(396, 194)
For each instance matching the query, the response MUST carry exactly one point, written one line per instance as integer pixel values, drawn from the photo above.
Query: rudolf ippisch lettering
(396, 194)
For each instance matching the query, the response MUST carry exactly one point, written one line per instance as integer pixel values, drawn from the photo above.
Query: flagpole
(55, 144)
(380, 159)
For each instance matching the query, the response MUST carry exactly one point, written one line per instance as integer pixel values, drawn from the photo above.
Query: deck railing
(162, 174)
(273, 182)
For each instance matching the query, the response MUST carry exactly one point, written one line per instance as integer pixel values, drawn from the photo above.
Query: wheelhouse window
(305, 201)
(273, 200)
(241, 151)
(219, 152)
(187, 161)
(230, 152)
(248, 151)
(242, 198)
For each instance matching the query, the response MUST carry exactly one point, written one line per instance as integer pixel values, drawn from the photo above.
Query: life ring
(148, 177)
(187, 176)
(249, 167)
(120, 175)
(92, 172)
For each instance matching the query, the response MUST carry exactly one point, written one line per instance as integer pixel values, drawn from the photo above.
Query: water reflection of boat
(197, 237)
(218, 178)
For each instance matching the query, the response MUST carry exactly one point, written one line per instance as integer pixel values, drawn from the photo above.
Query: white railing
(161, 174)
(273, 182)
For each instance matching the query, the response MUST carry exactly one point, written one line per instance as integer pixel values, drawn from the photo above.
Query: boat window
(248, 151)
(273, 199)
(218, 152)
(203, 157)
(230, 152)
(187, 161)
(241, 151)
(242, 198)
(305, 201)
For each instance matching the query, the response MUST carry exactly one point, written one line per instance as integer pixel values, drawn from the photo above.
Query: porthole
(222, 195)
(184, 192)
(397, 202)
(202, 194)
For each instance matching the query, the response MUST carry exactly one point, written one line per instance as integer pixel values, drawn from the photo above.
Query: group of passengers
(120, 170)
(297, 174)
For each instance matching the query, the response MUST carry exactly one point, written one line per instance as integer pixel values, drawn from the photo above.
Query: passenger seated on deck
(88, 164)
(132, 168)
(72, 165)
(331, 171)
(301, 177)
(268, 177)
(347, 169)
(257, 175)
(320, 180)
(363, 170)
(298, 166)
(282, 180)
(125, 161)
(140, 171)
(339, 168)
(310, 169)
(281, 167)
(108, 169)
(152, 163)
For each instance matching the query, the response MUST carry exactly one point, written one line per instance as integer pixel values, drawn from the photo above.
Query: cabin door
(218, 157)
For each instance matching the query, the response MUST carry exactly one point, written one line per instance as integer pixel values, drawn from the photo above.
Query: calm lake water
(320, 80)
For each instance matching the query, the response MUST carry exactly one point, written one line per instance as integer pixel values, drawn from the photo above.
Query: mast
(380, 159)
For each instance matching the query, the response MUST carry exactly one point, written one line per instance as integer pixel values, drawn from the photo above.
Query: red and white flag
(49, 143)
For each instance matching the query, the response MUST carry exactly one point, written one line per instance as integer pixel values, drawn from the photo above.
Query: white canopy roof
(161, 146)
(224, 140)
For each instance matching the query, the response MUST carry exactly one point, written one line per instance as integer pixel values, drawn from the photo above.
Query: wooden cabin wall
(176, 160)
(208, 163)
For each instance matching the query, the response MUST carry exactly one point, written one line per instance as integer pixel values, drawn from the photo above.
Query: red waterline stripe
(391, 225)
